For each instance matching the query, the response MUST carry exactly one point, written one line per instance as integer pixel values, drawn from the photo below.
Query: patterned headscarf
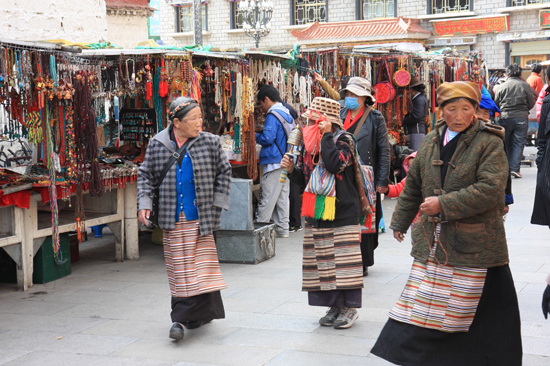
(458, 89)
(186, 106)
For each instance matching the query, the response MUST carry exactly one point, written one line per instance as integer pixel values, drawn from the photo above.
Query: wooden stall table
(24, 229)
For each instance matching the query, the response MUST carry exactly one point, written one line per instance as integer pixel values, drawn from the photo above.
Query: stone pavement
(108, 313)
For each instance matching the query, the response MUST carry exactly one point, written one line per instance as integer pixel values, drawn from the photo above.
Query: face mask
(352, 103)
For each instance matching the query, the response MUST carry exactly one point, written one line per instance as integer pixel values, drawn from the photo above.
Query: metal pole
(197, 15)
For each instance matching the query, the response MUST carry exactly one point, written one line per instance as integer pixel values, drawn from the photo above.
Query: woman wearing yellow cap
(459, 306)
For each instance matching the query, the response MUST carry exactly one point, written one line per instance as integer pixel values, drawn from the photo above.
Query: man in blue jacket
(274, 201)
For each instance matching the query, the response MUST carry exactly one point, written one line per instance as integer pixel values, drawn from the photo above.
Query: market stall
(390, 70)
(86, 117)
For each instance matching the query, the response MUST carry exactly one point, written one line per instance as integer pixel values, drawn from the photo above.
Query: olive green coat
(472, 199)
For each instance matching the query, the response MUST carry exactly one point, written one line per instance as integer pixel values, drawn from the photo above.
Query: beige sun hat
(326, 107)
(360, 87)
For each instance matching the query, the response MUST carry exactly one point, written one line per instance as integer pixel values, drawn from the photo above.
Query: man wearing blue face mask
(369, 128)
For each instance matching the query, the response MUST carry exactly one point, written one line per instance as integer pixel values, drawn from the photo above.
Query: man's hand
(431, 206)
(398, 236)
(143, 217)
(287, 163)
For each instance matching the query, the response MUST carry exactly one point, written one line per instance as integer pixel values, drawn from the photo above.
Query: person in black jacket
(332, 271)
(414, 122)
(374, 148)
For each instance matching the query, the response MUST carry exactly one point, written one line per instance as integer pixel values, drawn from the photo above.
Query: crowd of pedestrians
(459, 305)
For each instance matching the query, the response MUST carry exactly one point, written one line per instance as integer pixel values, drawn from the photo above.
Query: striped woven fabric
(440, 297)
(332, 259)
(191, 261)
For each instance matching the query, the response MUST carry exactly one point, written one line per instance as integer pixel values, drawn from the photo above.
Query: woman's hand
(398, 236)
(317, 77)
(287, 163)
(143, 217)
(381, 189)
(325, 126)
(431, 206)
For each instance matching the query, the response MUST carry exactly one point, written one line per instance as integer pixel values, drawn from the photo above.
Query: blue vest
(185, 189)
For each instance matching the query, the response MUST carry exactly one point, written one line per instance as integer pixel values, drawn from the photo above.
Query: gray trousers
(274, 201)
(414, 140)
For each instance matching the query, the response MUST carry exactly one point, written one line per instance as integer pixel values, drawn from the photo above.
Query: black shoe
(176, 332)
(365, 271)
(294, 229)
(194, 324)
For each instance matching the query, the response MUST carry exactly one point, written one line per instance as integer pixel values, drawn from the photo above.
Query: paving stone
(192, 349)
(58, 358)
(301, 358)
(42, 323)
(64, 343)
(308, 342)
(7, 355)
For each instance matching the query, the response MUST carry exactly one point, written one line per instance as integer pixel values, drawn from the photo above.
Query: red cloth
(394, 190)
(535, 81)
(20, 199)
(348, 122)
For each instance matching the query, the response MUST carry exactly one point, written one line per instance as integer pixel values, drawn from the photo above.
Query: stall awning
(361, 31)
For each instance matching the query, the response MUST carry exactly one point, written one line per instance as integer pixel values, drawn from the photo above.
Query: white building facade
(35, 20)
(503, 30)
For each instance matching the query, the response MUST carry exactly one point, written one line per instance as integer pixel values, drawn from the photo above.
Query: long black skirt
(204, 307)
(494, 338)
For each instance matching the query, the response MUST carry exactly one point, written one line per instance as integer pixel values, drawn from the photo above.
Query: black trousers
(295, 217)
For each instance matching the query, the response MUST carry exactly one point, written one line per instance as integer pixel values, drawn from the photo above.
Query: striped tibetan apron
(191, 260)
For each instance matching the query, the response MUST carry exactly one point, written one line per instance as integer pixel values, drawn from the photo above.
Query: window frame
(430, 7)
(177, 14)
(359, 10)
(293, 13)
(233, 8)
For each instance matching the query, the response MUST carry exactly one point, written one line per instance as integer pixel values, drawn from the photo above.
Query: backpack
(287, 127)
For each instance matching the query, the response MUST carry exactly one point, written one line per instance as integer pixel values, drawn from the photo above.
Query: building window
(528, 2)
(450, 6)
(309, 11)
(185, 21)
(236, 16)
(374, 9)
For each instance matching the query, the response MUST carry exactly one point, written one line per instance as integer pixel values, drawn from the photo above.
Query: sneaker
(516, 174)
(328, 320)
(176, 332)
(282, 235)
(295, 229)
(347, 317)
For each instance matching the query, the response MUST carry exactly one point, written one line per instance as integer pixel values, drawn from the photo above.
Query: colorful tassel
(319, 207)
(308, 204)
(329, 213)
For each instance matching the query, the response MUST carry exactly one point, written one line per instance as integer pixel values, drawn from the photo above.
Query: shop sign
(471, 26)
(544, 18)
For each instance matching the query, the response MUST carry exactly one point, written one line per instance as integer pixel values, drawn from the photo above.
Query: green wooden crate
(45, 267)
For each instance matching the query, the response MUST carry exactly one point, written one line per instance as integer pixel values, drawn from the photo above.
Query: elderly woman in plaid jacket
(191, 196)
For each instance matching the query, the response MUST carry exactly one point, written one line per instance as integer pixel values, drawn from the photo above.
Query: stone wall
(75, 21)
(221, 35)
(127, 27)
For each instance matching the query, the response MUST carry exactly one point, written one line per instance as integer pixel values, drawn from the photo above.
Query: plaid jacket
(212, 173)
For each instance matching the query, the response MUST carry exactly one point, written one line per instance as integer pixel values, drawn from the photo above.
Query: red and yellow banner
(471, 26)
(545, 18)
